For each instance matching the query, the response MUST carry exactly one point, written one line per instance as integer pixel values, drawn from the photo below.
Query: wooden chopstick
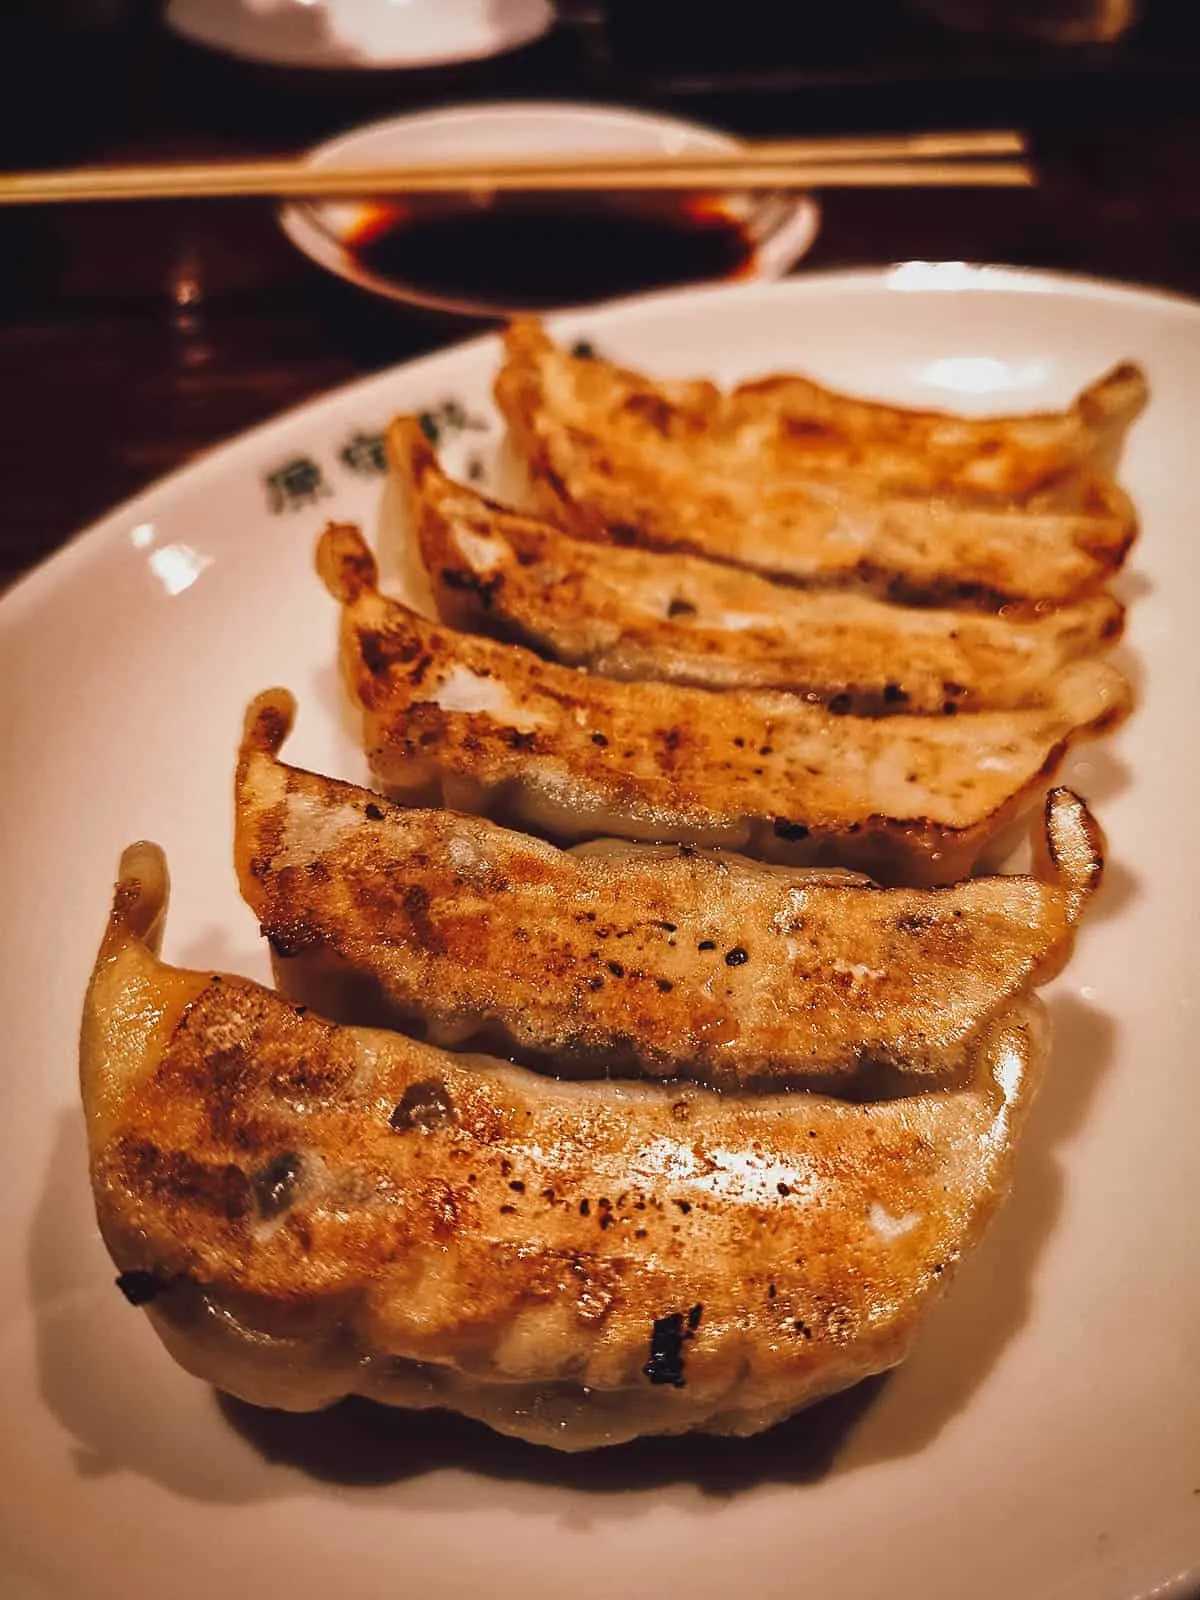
(919, 160)
(889, 146)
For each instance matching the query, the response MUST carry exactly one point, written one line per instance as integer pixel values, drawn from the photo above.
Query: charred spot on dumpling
(653, 409)
(894, 695)
(789, 830)
(417, 903)
(485, 589)
(381, 650)
(271, 725)
(292, 940)
(666, 1351)
(839, 705)
(274, 1186)
(680, 608)
(139, 1286)
(424, 1105)
(809, 428)
(220, 1188)
(416, 673)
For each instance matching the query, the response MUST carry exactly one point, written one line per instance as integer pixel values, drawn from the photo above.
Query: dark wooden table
(133, 337)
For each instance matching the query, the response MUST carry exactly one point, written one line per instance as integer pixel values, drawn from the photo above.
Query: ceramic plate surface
(1044, 1438)
(361, 34)
(783, 225)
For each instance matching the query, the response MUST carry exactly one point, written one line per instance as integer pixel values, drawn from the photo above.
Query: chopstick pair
(963, 160)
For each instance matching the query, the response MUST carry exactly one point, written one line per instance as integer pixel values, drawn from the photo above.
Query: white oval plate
(361, 34)
(783, 224)
(1044, 1438)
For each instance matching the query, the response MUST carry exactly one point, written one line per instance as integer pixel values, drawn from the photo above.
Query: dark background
(132, 337)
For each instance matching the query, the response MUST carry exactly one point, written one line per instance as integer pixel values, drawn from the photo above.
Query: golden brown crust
(642, 959)
(492, 728)
(310, 1211)
(631, 613)
(878, 496)
(901, 450)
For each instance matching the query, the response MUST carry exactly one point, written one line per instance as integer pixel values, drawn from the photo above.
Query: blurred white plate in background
(361, 33)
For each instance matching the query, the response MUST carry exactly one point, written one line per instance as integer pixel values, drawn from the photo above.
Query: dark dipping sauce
(529, 251)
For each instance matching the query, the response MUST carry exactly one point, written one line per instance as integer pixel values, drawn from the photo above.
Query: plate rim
(526, 105)
(941, 277)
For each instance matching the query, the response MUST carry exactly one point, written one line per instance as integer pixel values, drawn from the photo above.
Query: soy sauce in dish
(530, 251)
